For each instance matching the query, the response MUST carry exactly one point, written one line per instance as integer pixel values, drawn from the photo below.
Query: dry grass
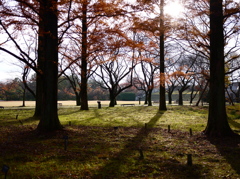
(64, 103)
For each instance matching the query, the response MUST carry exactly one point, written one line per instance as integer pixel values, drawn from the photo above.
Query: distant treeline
(15, 90)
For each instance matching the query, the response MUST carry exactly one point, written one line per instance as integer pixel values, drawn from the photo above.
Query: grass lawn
(120, 142)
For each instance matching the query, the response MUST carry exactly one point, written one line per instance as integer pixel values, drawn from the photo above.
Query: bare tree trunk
(217, 118)
(162, 101)
(201, 96)
(230, 98)
(112, 99)
(78, 99)
(24, 97)
(180, 98)
(84, 96)
(150, 98)
(169, 98)
(146, 97)
(40, 63)
(49, 114)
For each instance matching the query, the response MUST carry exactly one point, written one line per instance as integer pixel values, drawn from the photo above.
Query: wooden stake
(141, 157)
(168, 128)
(65, 142)
(189, 159)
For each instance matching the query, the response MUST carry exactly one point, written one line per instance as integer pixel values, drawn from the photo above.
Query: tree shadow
(235, 124)
(19, 122)
(22, 145)
(91, 145)
(115, 165)
(68, 112)
(229, 148)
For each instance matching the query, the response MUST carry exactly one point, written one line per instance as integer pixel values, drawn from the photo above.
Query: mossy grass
(119, 142)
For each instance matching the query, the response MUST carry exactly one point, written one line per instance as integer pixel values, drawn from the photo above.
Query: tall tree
(49, 19)
(162, 100)
(42, 17)
(160, 28)
(84, 99)
(87, 35)
(40, 61)
(217, 118)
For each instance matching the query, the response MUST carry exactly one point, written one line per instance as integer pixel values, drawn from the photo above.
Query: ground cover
(119, 142)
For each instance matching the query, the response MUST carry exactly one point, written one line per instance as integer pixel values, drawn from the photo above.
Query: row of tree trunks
(217, 125)
(47, 70)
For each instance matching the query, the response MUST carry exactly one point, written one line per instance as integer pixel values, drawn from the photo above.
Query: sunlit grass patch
(177, 117)
(181, 118)
(184, 118)
(123, 116)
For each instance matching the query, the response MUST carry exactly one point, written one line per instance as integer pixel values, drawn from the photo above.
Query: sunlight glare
(174, 9)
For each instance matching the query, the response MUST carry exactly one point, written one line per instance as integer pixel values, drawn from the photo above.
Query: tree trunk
(84, 96)
(162, 101)
(180, 98)
(24, 97)
(39, 91)
(229, 98)
(217, 124)
(146, 97)
(49, 116)
(192, 95)
(78, 99)
(112, 99)
(170, 97)
(191, 100)
(112, 102)
(202, 93)
(40, 63)
(149, 97)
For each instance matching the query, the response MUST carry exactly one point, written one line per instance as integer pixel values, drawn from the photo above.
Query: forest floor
(120, 142)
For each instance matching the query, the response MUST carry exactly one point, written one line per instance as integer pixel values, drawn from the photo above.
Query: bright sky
(174, 9)
(7, 68)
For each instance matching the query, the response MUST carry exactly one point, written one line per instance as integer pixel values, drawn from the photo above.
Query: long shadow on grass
(65, 111)
(230, 150)
(235, 124)
(125, 164)
(120, 165)
(19, 122)
(114, 166)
